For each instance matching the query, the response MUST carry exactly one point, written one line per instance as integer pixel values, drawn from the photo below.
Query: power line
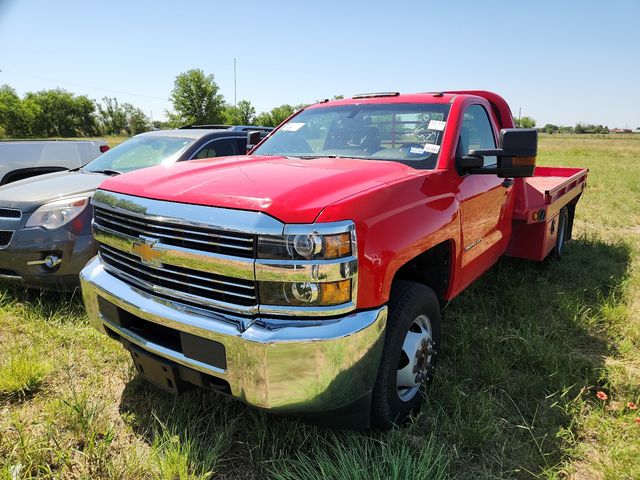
(93, 87)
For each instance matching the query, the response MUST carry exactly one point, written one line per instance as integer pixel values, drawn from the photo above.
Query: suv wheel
(409, 355)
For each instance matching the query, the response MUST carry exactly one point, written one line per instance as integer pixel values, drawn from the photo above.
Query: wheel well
(23, 173)
(431, 268)
(572, 214)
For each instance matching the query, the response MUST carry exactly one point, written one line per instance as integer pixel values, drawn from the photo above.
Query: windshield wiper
(309, 157)
(107, 171)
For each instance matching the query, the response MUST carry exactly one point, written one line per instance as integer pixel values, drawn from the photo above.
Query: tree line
(195, 98)
(579, 128)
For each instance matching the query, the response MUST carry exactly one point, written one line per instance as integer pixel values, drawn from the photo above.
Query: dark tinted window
(410, 133)
(218, 148)
(242, 144)
(476, 133)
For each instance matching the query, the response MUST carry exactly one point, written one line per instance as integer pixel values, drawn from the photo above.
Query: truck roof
(499, 105)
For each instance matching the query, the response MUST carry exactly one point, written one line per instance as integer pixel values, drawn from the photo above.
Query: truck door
(483, 198)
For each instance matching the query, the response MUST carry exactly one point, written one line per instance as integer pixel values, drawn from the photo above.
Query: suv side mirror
(516, 153)
(253, 138)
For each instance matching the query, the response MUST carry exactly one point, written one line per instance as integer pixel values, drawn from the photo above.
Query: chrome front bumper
(287, 366)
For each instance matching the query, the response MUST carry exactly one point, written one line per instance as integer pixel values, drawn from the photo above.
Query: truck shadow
(519, 347)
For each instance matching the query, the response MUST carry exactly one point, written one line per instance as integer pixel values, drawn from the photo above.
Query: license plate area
(161, 373)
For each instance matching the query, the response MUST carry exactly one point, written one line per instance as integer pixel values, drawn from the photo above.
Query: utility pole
(235, 84)
(519, 113)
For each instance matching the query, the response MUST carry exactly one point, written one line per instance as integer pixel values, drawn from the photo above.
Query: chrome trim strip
(226, 219)
(306, 270)
(316, 311)
(10, 277)
(320, 228)
(228, 266)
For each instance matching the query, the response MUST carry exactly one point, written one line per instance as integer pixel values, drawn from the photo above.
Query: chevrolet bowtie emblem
(144, 249)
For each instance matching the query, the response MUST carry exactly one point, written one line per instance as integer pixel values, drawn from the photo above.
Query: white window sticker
(436, 125)
(292, 127)
(416, 150)
(431, 148)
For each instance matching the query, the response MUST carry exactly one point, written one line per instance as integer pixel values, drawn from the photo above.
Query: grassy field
(539, 376)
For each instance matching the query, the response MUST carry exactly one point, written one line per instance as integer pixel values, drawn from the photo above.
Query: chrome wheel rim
(415, 358)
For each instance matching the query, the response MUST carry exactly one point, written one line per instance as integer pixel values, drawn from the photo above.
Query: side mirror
(516, 153)
(468, 162)
(253, 138)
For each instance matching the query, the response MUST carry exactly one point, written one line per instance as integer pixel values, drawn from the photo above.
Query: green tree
(276, 116)
(61, 113)
(137, 121)
(16, 116)
(525, 122)
(113, 118)
(196, 99)
(160, 125)
(550, 128)
(242, 114)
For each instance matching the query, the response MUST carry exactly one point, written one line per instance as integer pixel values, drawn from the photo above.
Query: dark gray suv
(45, 221)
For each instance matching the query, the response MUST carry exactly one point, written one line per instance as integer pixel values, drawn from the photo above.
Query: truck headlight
(58, 213)
(312, 265)
(305, 294)
(309, 246)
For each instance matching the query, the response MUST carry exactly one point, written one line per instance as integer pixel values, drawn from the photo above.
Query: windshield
(409, 133)
(140, 152)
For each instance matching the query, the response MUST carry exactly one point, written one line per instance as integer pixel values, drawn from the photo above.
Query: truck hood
(290, 189)
(30, 193)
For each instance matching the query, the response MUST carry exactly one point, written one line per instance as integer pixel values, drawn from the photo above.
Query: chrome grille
(170, 233)
(193, 287)
(5, 237)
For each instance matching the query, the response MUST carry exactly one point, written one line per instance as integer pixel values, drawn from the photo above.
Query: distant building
(620, 130)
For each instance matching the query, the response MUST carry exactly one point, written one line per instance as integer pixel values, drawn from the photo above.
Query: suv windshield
(409, 133)
(139, 152)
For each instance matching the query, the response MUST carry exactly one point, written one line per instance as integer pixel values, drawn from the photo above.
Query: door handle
(507, 182)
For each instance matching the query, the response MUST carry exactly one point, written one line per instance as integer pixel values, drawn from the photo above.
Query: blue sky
(560, 61)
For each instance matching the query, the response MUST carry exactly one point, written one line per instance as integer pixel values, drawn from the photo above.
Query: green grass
(526, 350)
(21, 372)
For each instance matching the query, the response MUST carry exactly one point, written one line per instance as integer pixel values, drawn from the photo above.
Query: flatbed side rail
(543, 195)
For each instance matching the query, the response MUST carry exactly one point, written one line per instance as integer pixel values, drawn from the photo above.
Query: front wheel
(409, 355)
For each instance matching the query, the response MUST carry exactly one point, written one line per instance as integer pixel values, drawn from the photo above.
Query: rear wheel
(409, 355)
(563, 228)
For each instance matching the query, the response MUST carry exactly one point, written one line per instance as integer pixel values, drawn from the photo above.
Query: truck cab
(307, 278)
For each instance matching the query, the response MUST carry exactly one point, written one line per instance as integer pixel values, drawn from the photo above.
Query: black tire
(563, 230)
(408, 301)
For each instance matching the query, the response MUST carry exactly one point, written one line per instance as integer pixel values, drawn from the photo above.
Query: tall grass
(526, 351)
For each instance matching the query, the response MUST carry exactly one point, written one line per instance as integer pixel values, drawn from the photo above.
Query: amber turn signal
(523, 161)
(335, 293)
(337, 246)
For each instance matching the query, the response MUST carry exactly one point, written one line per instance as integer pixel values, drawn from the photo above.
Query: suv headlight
(310, 267)
(58, 213)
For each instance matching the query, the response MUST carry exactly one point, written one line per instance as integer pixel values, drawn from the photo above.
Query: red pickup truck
(308, 277)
